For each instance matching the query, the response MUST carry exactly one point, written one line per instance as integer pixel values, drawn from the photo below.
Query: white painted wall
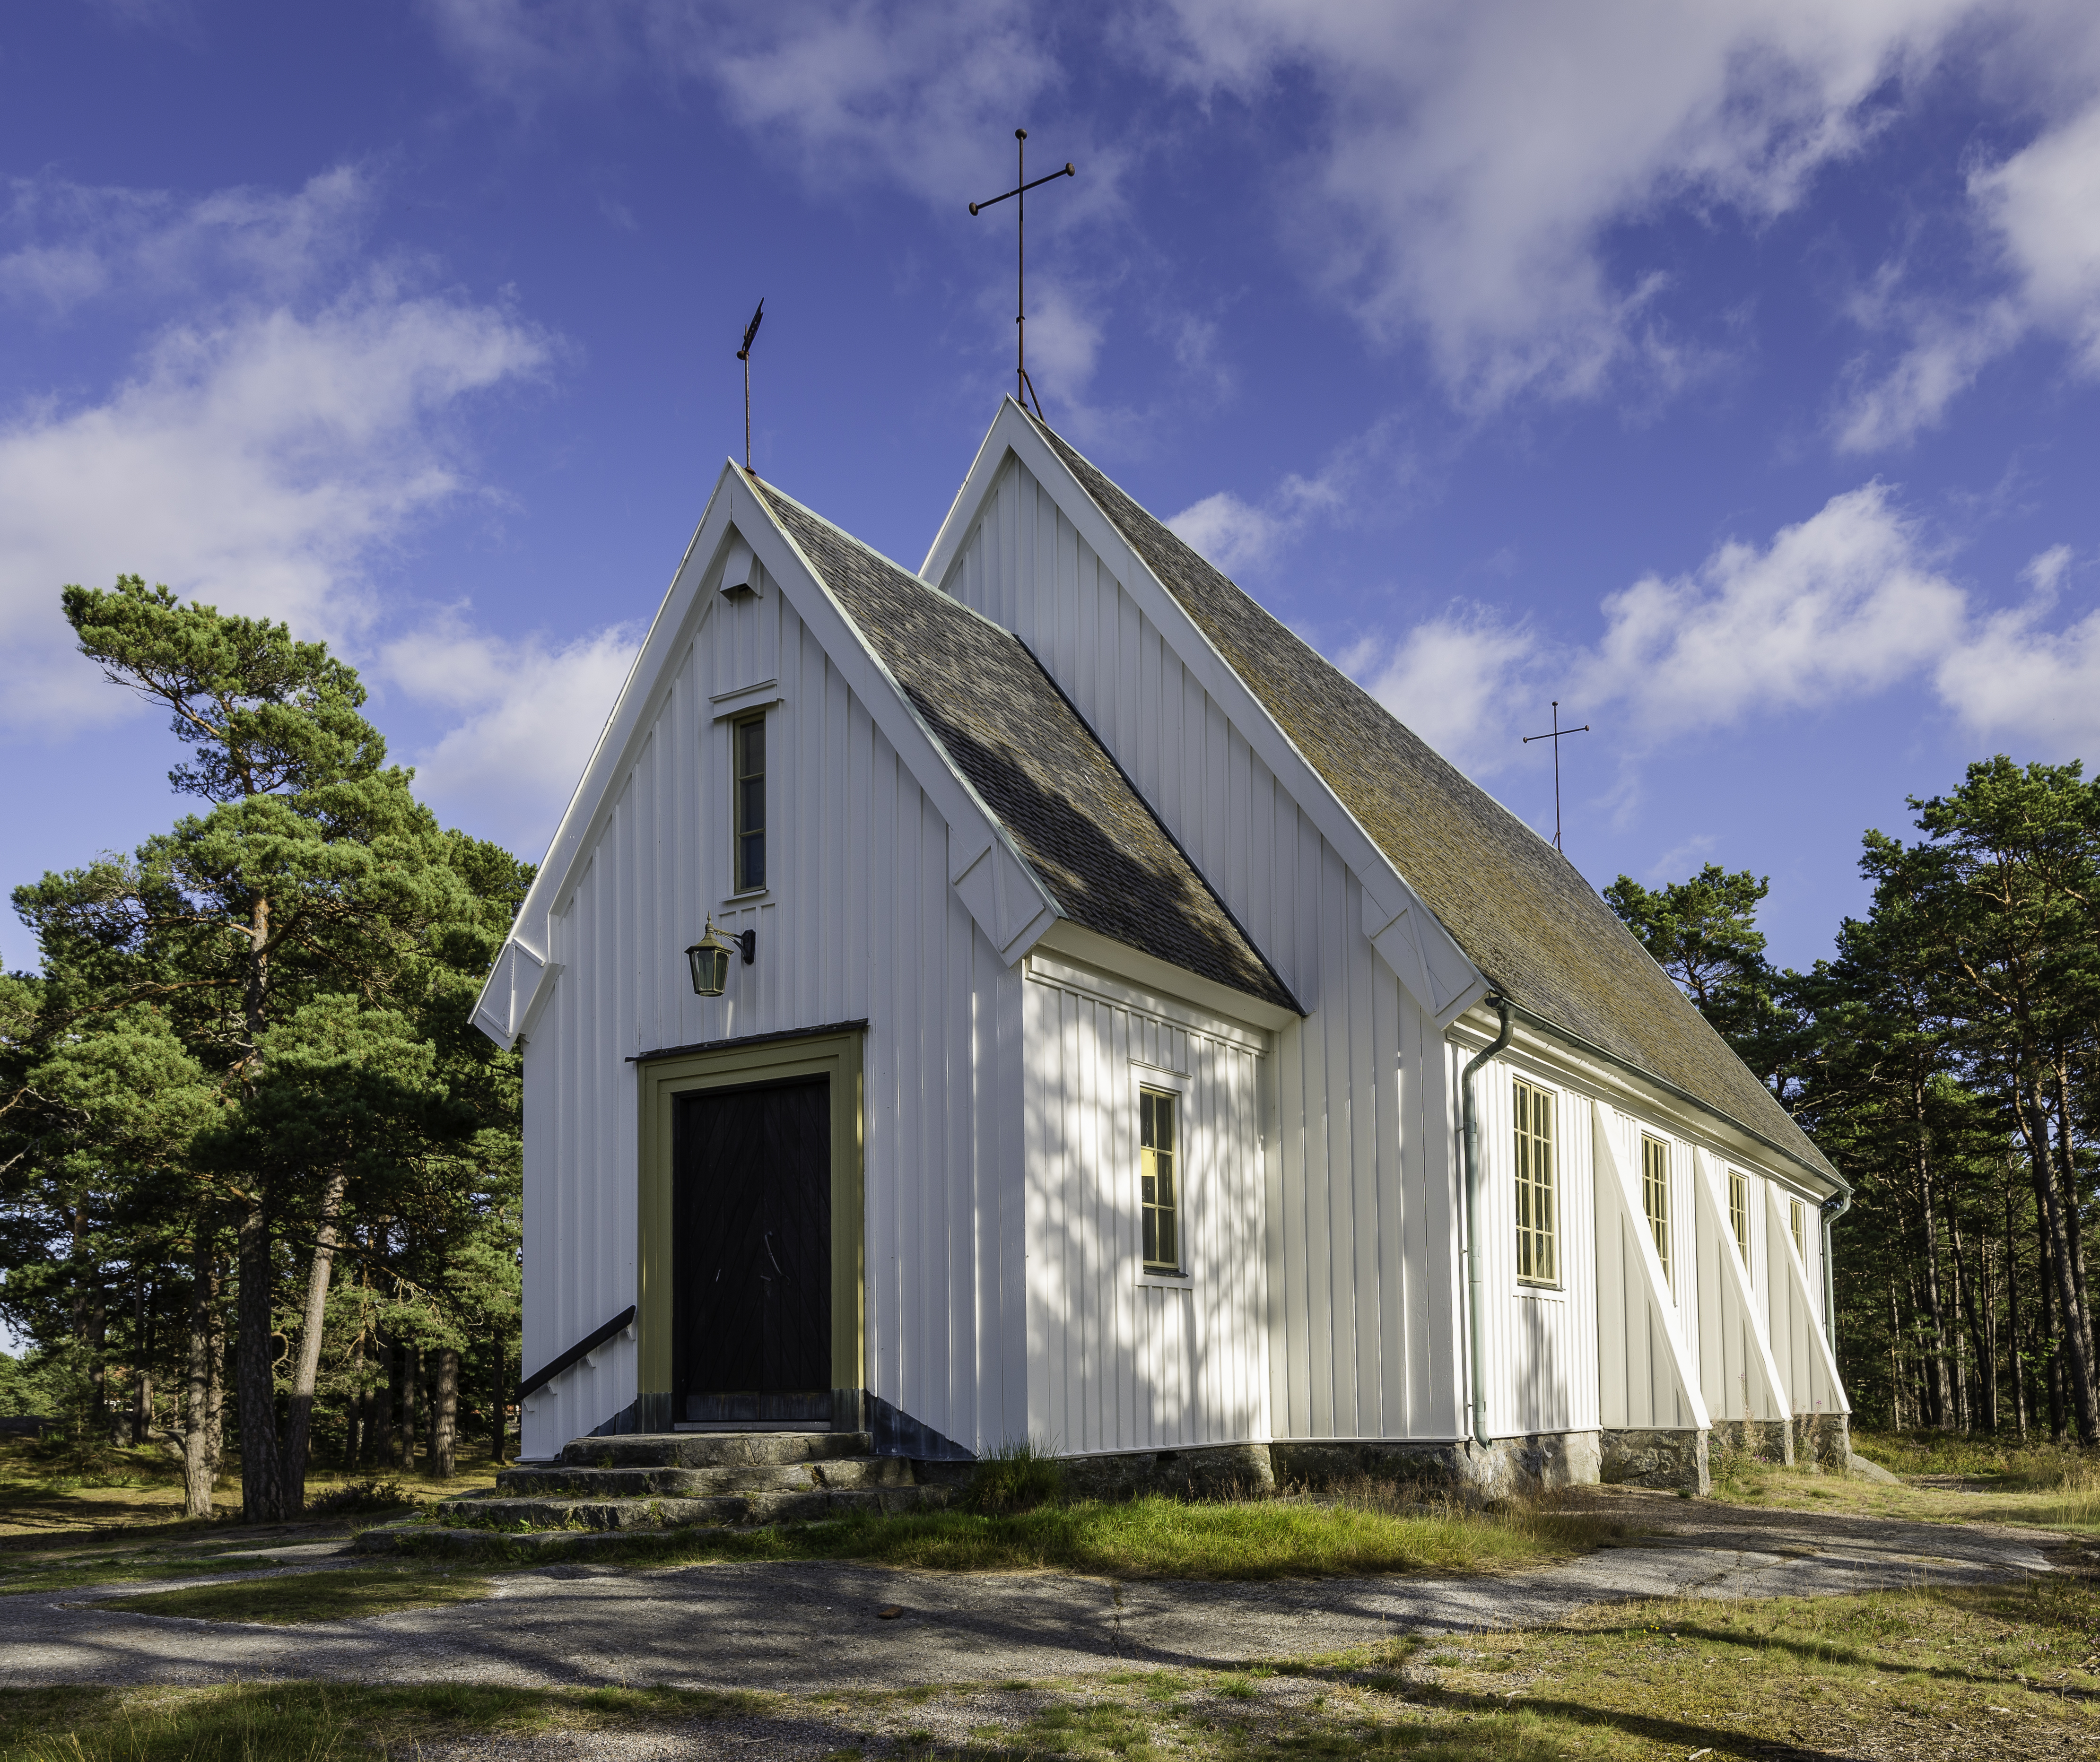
(1117, 1360)
(1542, 1341)
(1362, 1268)
(859, 922)
(1647, 1378)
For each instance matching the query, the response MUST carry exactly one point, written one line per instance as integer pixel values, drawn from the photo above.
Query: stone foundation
(1824, 1439)
(1765, 1440)
(1508, 1465)
(1216, 1471)
(1672, 1460)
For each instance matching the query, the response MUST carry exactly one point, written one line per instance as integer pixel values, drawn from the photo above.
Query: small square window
(1537, 1225)
(1655, 1196)
(1158, 1193)
(747, 739)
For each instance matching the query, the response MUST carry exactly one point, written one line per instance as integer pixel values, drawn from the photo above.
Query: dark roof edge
(859, 1027)
(1589, 1048)
(1167, 831)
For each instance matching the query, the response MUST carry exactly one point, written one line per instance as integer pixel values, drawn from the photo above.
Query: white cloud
(530, 712)
(70, 242)
(1845, 603)
(1474, 157)
(1450, 678)
(2012, 678)
(920, 93)
(2043, 203)
(260, 452)
(1842, 603)
(1232, 535)
(1948, 351)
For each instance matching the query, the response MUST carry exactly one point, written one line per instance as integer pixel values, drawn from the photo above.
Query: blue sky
(1728, 373)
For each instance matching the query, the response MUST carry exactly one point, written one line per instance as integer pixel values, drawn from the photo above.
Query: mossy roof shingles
(1103, 854)
(1518, 908)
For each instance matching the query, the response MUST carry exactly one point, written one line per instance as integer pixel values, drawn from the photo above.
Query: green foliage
(1016, 1476)
(252, 1029)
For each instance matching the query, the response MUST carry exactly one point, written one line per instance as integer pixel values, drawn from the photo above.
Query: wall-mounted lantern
(709, 957)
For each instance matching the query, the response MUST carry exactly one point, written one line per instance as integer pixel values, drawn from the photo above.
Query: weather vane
(1556, 737)
(744, 354)
(1023, 389)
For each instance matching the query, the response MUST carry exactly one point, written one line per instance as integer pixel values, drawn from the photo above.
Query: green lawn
(1144, 1538)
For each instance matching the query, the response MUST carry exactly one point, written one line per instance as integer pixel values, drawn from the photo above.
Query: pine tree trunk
(264, 1498)
(355, 1408)
(2014, 1366)
(141, 1385)
(1935, 1366)
(444, 1412)
(306, 1369)
(2071, 1331)
(200, 1448)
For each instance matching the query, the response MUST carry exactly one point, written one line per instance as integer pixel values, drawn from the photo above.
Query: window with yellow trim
(1739, 1212)
(1654, 1194)
(1796, 1224)
(1537, 1215)
(1157, 1194)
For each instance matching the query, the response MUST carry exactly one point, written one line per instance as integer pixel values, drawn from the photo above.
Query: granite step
(707, 1449)
(560, 1481)
(781, 1506)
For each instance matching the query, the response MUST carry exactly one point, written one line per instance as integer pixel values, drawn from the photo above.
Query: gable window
(1156, 1192)
(1654, 1194)
(748, 767)
(1739, 1212)
(1796, 1213)
(1538, 1237)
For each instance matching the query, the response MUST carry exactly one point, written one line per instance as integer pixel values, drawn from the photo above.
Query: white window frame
(1665, 1249)
(1178, 1085)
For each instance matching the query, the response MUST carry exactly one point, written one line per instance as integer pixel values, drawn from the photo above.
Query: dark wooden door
(752, 1250)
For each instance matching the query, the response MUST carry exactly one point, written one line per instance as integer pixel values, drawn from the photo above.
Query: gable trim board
(1563, 939)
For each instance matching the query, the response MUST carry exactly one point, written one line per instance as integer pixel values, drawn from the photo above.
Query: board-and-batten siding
(1116, 1362)
(858, 922)
(1541, 1340)
(1362, 1247)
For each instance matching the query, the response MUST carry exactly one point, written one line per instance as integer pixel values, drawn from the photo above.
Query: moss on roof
(1518, 908)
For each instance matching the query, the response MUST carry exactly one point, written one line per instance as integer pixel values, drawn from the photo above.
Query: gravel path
(806, 1626)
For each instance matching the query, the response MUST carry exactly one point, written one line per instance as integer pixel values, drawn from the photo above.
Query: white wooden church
(1040, 998)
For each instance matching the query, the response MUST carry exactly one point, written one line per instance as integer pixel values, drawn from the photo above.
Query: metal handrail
(589, 1343)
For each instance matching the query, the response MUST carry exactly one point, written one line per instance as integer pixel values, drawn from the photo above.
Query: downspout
(1832, 1209)
(1476, 1274)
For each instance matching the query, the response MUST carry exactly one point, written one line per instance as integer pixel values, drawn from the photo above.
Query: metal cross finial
(744, 354)
(1023, 389)
(1555, 737)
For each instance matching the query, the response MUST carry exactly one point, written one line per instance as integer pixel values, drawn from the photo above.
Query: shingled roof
(1516, 906)
(1104, 857)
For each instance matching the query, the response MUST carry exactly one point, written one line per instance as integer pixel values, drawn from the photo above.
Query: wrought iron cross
(1023, 389)
(1556, 737)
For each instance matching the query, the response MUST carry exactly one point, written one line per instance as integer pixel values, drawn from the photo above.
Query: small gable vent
(741, 574)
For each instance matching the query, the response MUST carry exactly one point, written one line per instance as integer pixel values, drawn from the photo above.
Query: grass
(1996, 1674)
(313, 1722)
(53, 1488)
(1374, 1530)
(342, 1594)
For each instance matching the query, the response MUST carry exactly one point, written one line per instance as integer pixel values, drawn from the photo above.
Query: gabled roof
(1104, 857)
(1517, 908)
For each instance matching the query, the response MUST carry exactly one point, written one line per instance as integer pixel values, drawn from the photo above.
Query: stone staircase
(669, 1480)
